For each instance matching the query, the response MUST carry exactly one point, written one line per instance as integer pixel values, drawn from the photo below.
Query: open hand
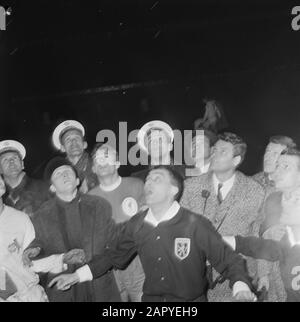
(65, 281)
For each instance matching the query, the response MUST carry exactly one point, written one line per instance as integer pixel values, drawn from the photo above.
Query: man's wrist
(84, 274)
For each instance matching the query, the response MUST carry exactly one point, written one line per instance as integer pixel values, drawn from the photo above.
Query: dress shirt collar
(111, 187)
(170, 213)
(291, 237)
(227, 185)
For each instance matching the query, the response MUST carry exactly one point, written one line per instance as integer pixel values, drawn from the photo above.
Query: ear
(85, 145)
(94, 169)
(174, 190)
(77, 182)
(170, 146)
(237, 160)
(52, 188)
(62, 148)
(22, 164)
(118, 164)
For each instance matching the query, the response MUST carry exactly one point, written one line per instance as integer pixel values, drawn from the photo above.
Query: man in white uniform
(17, 282)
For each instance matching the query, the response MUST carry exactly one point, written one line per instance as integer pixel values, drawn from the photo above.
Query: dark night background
(243, 53)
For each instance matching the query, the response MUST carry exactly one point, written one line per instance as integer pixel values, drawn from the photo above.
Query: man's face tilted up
(73, 143)
(271, 156)
(11, 164)
(287, 173)
(105, 162)
(64, 180)
(159, 188)
(223, 158)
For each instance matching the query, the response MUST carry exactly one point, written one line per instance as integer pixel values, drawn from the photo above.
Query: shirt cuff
(51, 264)
(84, 273)
(239, 287)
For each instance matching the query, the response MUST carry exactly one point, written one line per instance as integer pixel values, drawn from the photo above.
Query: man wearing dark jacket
(22, 192)
(173, 244)
(77, 226)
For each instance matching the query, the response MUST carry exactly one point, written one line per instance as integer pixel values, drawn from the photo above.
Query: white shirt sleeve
(84, 273)
(240, 286)
(29, 233)
(52, 264)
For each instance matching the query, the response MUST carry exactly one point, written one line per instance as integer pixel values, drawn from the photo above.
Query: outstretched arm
(258, 248)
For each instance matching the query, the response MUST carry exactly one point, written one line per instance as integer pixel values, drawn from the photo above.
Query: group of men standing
(154, 236)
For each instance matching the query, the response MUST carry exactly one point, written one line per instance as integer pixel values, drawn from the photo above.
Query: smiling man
(22, 192)
(286, 178)
(76, 225)
(287, 251)
(68, 137)
(173, 244)
(277, 144)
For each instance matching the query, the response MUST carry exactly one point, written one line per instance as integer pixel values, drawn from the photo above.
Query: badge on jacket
(182, 247)
(129, 206)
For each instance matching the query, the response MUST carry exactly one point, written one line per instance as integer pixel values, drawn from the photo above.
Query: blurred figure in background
(214, 118)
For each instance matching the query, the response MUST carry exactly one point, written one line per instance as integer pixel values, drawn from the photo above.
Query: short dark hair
(98, 146)
(176, 178)
(283, 140)
(239, 145)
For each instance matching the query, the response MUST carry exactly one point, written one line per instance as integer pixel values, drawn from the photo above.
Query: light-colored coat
(242, 206)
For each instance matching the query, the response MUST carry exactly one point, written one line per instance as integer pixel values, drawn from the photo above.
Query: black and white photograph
(149, 152)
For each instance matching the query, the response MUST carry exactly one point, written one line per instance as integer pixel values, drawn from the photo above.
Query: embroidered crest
(182, 247)
(129, 206)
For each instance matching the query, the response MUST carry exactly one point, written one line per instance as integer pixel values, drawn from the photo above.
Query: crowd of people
(169, 232)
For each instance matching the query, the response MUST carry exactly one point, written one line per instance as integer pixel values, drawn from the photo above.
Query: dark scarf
(14, 193)
(69, 216)
(84, 170)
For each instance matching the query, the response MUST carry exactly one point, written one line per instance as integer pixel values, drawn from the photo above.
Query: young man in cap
(76, 224)
(173, 244)
(17, 283)
(22, 192)
(286, 251)
(156, 138)
(68, 137)
(228, 198)
(125, 194)
(200, 152)
(277, 144)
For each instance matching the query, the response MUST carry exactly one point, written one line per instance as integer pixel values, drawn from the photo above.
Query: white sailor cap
(62, 128)
(13, 146)
(153, 125)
